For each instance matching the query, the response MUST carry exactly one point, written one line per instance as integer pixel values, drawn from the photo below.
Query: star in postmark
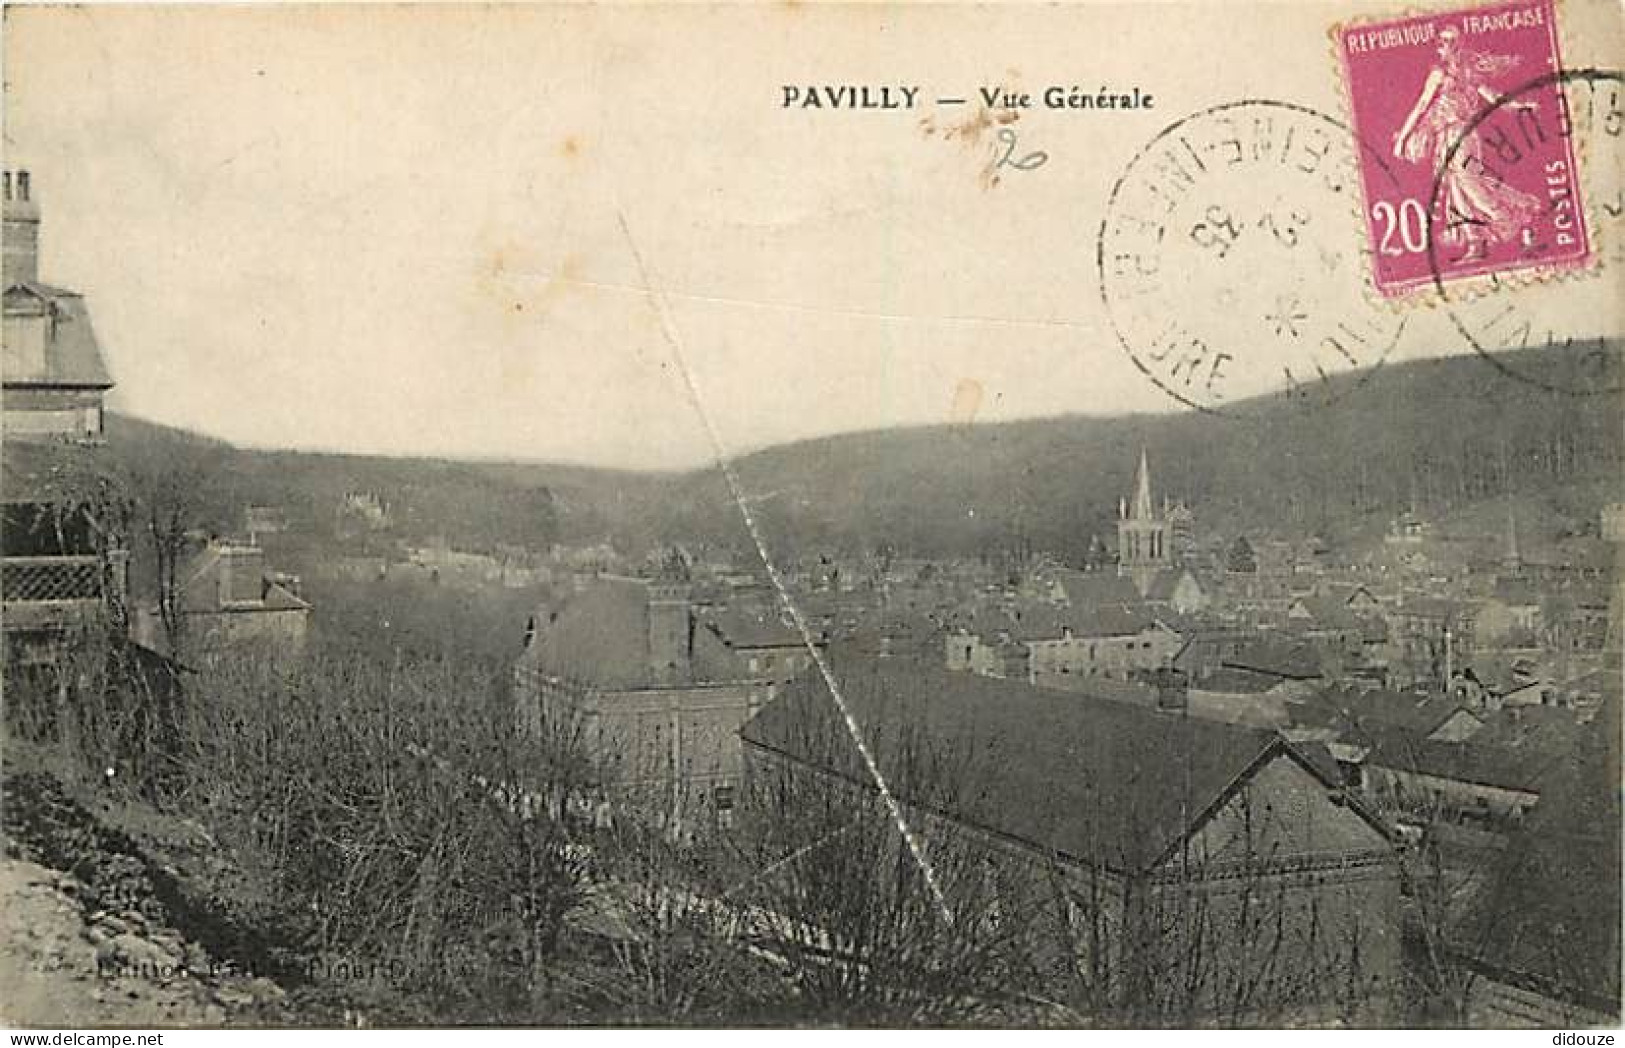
(1287, 316)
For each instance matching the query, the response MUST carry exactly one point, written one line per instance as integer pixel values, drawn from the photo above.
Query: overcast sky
(404, 230)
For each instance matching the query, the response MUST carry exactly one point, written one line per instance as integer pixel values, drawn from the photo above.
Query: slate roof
(1232, 681)
(1096, 588)
(200, 593)
(1102, 782)
(1205, 648)
(1549, 728)
(739, 628)
(1040, 622)
(1291, 660)
(1515, 750)
(1514, 591)
(1108, 621)
(1186, 625)
(1359, 711)
(1166, 580)
(600, 637)
(1503, 674)
(1331, 613)
(1373, 629)
(73, 357)
(1030, 623)
(1344, 593)
(278, 598)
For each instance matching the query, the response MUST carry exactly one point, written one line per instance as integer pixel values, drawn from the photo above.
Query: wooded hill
(1434, 436)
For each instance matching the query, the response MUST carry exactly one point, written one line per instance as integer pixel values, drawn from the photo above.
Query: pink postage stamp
(1466, 111)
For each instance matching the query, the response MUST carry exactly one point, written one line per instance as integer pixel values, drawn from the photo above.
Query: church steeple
(1142, 492)
(1142, 535)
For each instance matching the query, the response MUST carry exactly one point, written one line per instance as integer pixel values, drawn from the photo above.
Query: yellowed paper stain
(966, 403)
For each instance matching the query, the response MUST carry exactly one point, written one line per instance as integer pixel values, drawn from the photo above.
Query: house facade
(1102, 643)
(59, 571)
(1050, 647)
(750, 643)
(659, 692)
(230, 602)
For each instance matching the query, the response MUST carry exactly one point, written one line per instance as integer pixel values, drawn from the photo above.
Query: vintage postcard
(1096, 515)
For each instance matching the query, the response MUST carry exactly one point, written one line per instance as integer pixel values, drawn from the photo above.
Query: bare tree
(177, 485)
(869, 930)
(1241, 920)
(405, 821)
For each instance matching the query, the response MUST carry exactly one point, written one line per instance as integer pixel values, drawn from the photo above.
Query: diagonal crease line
(791, 859)
(915, 846)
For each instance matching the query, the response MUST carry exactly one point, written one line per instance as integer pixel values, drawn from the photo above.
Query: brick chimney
(671, 631)
(242, 575)
(1173, 690)
(21, 229)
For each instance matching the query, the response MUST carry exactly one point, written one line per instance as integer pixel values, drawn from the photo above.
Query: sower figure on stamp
(1480, 208)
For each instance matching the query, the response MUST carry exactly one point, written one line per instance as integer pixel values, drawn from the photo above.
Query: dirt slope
(60, 966)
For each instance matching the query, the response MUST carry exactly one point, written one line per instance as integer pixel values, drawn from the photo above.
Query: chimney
(242, 575)
(1449, 658)
(21, 233)
(671, 631)
(1173, 690)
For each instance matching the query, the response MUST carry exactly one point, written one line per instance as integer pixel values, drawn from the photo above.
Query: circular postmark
(1231, 262)
(1557, 326)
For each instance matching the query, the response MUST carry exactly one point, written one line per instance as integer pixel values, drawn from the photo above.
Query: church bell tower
(1142, 533)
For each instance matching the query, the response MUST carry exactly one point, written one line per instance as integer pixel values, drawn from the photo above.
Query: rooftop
(600, 637)
(1101, 781)
(1517, 749)
(1096, 588)
(740, 628)
(72, 357)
